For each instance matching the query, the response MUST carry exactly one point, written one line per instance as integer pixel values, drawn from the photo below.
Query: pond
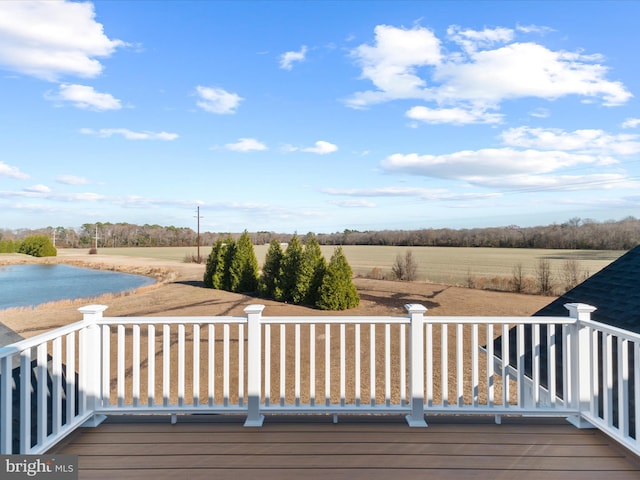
(30, 285)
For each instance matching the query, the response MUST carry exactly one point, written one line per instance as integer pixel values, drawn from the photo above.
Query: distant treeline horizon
(575, 233)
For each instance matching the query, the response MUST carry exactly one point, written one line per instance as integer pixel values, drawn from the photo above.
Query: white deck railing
(254, 365)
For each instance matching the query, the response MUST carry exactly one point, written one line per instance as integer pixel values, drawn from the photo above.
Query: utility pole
(96, 237)
(198, 217)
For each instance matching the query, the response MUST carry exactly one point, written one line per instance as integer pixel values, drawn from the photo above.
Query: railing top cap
(92, 309)
(580, 307)
(254, 308)
(415, 307)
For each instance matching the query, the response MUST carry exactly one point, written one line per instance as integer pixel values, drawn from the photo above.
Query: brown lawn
(180, 292)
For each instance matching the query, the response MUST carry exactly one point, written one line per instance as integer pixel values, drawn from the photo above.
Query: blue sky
(318, 116)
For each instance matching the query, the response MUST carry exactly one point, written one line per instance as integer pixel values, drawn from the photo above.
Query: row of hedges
(298, 275)
(34, 245)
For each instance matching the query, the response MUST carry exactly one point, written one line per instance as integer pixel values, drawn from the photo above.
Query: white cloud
(322, 148)
(51, 39)
(354, 203)
(592, 141)
(83, 96)
(540, 113)
(562, 183)
(12, 172)
(287, 58)
(423, 193)
(217, 100)
(51, 201)
(540, 29)
(246, 145)
(455, 115)
(491, 67)
(526, 70)
(392, 63)
(43, 192)
(471, 165)
(72, 180)
(631, 123)
(508, 168)
(38, 189)
(533, 159)
(85, 196)
(384, 192)
(129, 134)
(471, 40)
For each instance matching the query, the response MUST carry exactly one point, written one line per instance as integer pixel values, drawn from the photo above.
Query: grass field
(448, 265)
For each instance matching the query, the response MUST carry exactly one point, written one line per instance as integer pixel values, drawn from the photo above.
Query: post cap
(415, 308)
(580, 307)
(92, 309)
(254, 308)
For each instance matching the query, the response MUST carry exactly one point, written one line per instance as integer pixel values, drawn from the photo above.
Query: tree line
(114, 235)
(299, 274)
(575, 233)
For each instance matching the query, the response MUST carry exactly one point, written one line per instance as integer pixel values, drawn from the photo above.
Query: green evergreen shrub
(299, 275)
(214, 270)
(243, 266)
(337, 291)
(291, 270)
(9, 246)
(228, 254)
(38, 246)
(269, 284)
(313, 266)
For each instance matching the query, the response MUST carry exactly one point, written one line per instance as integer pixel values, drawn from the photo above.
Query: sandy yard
(180, 292)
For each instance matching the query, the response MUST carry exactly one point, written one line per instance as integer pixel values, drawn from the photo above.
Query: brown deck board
(389, 460)
(356, 447)
(329, 437)
(347, 474)
(340, 448)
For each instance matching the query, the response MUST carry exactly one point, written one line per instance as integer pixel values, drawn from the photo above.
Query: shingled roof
(614, 291)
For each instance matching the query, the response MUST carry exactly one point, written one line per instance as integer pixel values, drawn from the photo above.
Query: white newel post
(254, 365)
(580, 363)
(90, 364)
(416, 365)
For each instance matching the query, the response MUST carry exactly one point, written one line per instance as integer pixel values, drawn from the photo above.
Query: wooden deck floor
(356, 447)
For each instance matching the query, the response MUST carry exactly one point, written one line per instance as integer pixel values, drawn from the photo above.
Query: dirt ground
(180, 292)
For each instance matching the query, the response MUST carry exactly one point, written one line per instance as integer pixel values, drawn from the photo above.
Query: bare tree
(410, 267)
(471, 281)
(570, 274)
(517, 278)
(405, 268)
(398, 268)
(544, 277)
